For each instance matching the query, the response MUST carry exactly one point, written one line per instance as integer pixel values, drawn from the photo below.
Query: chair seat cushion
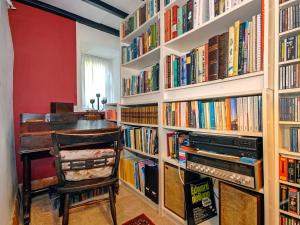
(77, 175)
(80, 156)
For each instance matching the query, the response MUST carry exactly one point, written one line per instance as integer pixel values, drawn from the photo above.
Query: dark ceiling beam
(72, 16)
(107, 7)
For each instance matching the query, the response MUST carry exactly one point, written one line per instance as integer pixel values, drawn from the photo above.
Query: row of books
(77, 197)
(142, 44)
(141, 174)
(232, 53)
(146, 114)
(288, 220)
(295, 139)
(234, 113)
(174, 141)
(289, 108)
(289, 48)
(146, 81)
(111, 114)
(180, 19)
(143, 139)
(140, 16)
(289, 170)
(289, 76)
(289, 18)
(289, 199)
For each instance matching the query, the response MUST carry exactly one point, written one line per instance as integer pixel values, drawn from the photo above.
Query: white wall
(8, 179)
(94, 42)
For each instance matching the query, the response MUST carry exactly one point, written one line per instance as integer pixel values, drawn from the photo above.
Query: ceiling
(95, 14)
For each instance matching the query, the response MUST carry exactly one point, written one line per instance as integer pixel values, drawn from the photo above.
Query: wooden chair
(86, 162)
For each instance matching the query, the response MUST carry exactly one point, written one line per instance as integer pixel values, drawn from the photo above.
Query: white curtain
(96, 74)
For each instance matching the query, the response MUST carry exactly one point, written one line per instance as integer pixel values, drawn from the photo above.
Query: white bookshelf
(281, 127)
(257, 83)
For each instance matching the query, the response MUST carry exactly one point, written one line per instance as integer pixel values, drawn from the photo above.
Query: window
(96, 77)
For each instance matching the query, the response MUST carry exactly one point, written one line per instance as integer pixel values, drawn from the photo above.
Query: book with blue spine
(201, 114)
(233, 114)
(212, 115)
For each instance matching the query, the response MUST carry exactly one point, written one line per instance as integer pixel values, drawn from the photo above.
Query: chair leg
(112, 204)
(66, 209)
(61, 204)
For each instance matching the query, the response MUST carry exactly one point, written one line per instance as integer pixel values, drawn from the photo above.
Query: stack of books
(289, 18)
(289, 48)
(174, 141)
(180, 19)
(146, 114)
(289, 170)
(287, 220)
(289, 76)
(289, 107)
(146, 81)
(142, 44)
(236, 52)
(143, 139)
(139, 17)
(289, 199)
(232, 113)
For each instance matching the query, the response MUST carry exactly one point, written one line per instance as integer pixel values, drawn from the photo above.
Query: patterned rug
(139, 220)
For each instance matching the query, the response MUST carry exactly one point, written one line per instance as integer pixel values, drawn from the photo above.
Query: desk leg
(26, 188)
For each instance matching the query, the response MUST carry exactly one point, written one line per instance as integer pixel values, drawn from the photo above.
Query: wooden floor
(129, 205)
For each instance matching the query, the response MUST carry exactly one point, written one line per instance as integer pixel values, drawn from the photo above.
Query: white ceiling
(93, 13)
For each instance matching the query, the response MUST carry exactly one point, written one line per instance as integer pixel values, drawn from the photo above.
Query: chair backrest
(61, 117)
(31, 117)
(82, 156)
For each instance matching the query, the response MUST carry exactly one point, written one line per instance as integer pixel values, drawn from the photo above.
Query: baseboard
(15, 220)
(43, 183)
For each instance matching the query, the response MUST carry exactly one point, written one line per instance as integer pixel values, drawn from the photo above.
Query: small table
(36, 143)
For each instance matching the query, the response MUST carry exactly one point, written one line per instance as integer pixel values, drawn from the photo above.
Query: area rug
(139, 220)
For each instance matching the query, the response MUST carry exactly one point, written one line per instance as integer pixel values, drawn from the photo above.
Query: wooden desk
(36, 143)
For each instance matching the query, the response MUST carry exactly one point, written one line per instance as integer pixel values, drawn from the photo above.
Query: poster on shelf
(200, 201)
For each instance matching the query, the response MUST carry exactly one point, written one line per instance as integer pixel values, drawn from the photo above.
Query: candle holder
(98, 101)
(92, 101)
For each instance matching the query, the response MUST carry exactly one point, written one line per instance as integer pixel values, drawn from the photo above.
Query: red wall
(44, 69)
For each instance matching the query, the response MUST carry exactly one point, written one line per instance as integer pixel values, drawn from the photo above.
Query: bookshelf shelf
(290, 154)
(288, 4)
(173, 162)
(289, 214)
(141, 153)
(289, 183)
(289, 91)
(289, 123)
(229, 132)
(145, 60)
(139, 124)
(289, 32)
(140, 30)
(221, 23)
(289, 62)
(142, 94)
(173, 2)
(212, 94)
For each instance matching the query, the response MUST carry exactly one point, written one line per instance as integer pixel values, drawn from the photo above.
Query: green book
(179, 21)
(175, 72)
